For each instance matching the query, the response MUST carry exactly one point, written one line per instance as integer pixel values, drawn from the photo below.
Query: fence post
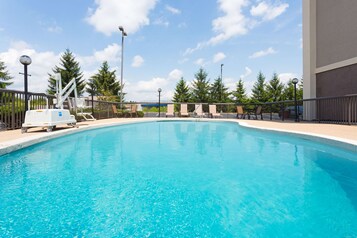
(13, 112)
(349, 110)
(271, 112)
(282, 112)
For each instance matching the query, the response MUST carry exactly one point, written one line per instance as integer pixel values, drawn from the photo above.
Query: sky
(166, 40)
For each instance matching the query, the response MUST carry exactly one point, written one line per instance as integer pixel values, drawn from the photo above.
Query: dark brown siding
(338, 82)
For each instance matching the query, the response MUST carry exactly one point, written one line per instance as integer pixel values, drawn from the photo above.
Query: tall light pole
(25, 60)
(123, 33)
(222, 80)
(159, 90)
(295, 81)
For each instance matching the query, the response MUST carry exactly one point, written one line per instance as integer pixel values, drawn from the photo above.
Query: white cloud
(247, 72)
(44, 62)
(161, 22)
(146, 91)
(200, 62)
(111, 54)
(231, 24)
(235, 23)
(173, 10)
(263, 53)
(175, 74)
(109, 14)
(285, 77)
(218, 57)
(137, 61)
(54, 29)
(184, 60)
(230, 83)
(268, 11)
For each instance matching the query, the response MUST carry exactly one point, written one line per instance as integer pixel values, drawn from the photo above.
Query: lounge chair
(115, 111)
(257, 112)
(240, 112)
(183, 110)
(133, 110)
(81, 104)
(170, 110)
(198, 110)
(213, 111)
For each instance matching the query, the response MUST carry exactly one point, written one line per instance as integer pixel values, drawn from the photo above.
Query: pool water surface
(178, 179)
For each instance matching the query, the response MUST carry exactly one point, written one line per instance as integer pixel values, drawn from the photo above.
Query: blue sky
(166, 40)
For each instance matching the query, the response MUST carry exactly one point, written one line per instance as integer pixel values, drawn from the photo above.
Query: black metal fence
(337, 110)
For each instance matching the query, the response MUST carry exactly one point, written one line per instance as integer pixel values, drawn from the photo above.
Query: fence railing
(337, 110)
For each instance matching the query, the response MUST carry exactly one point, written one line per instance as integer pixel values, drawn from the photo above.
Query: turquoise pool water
(178, 179)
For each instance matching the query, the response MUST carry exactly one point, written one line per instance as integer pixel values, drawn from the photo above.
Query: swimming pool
(178, 179)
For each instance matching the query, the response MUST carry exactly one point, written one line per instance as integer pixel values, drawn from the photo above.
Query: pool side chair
(258, 112)
(81, 104)
(198, 110)
(133, 110)
(213, 111)
(240, 113)
(183, 111)
(170, 110)
(115, 111)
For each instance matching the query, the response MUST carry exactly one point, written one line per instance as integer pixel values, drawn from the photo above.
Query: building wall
(337, 82)
(336, 28)
(329, 50)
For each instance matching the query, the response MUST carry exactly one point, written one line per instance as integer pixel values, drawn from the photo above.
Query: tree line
(105, 84)
(201, 90)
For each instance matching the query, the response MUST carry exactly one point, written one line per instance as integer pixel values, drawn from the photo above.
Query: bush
(140, 114)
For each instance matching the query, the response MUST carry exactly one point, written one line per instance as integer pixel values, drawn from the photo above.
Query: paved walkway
(13, 139)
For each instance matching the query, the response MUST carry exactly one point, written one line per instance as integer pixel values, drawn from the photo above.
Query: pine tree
(259, 89)
(104, 82)
(239, 95)
(4, 76)
(219, 93)
(91, 88)
(200, 87)
(275, 89)
(69, 69)
(288, 93)
(182, 92)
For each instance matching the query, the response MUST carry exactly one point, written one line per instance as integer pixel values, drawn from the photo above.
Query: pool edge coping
(329, 140)
(20, 143)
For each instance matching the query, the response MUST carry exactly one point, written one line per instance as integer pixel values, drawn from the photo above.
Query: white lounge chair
(81, 104)
(183, 110)
(198, 110)
(170, 110)
(213, 111)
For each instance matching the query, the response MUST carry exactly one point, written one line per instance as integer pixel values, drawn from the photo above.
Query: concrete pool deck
(343, 135)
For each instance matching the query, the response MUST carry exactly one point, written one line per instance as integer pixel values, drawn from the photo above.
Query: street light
(123, 33)
(295, 81)
(159, 90)
(25, 60)
(221, 85)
